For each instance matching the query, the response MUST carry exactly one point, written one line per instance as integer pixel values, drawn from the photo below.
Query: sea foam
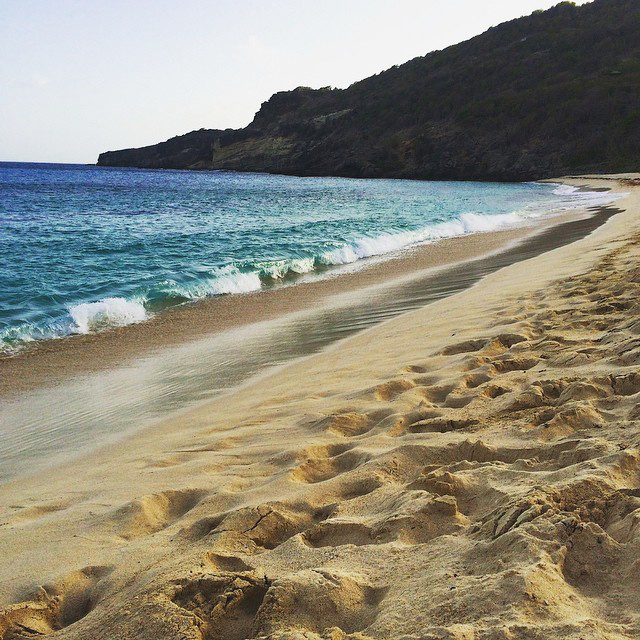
(234, 282)
(367, 247)
(226, 280)
(571, 197)
(109, 312)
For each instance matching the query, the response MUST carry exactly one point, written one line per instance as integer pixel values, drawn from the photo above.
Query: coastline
(48, 362)
(68, 397)
(459, 453)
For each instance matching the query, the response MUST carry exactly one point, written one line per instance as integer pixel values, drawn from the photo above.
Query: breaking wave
(109, 312)
(247, 276)
(574, 197)
(368, 247)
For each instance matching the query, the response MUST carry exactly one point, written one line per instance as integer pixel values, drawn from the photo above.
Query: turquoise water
(84, 248)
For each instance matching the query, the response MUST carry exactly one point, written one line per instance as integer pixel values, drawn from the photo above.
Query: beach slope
(466, 471)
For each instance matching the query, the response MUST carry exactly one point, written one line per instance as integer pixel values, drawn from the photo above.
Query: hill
(552, 93)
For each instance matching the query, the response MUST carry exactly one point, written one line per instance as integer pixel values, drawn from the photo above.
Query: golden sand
(466, 471)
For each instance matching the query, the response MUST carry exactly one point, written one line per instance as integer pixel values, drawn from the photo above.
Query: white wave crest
(565, 190)
(225, 280)
(233, 283)
(302, 265)
(367, 247)
(340, 255)
(109, 312)
(277, 269)
(570, 197)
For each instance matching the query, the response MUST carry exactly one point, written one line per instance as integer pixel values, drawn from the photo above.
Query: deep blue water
(83, 248)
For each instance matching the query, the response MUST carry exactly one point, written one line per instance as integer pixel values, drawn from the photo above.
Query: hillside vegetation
(552, 93)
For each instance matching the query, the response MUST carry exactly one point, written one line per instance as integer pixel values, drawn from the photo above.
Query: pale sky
(78, 77)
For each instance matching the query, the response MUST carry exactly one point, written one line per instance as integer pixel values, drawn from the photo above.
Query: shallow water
(83, 248)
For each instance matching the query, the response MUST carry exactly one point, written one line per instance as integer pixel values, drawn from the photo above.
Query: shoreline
(49, 362)
(50, 425)
(478, 455)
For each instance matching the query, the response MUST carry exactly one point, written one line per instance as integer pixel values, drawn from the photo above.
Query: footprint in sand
(152, 513)
(54, 606)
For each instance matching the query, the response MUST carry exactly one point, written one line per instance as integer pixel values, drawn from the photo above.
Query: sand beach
(465, 470)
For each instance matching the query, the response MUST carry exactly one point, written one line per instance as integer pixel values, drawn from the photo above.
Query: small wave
(226, 280)
(278, 269)
(109, 312)
(13, 338)
(565, 190)
(82, 318)
(233, 283)
(367, 247)
(574, 197)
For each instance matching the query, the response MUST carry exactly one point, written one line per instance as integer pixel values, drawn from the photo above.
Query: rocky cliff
(551, 93)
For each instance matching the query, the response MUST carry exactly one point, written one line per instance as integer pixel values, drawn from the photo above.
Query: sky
(78, 77)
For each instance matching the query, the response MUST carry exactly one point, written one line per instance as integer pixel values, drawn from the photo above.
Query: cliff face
(551, 93)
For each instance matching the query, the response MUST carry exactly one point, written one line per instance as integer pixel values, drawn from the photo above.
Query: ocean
(85, 248)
